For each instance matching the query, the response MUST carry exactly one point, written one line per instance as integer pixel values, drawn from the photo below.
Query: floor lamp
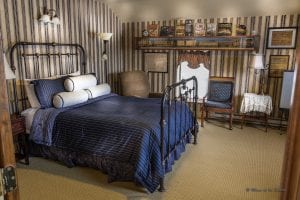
(105, 37)
(258, 64)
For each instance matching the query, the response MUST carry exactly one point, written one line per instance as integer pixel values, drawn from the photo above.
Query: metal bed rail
(171, 97)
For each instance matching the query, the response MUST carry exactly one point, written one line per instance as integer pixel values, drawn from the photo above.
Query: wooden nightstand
(20, 136)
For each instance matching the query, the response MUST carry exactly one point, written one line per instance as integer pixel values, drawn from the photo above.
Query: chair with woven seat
(136, 83)
(220, 97)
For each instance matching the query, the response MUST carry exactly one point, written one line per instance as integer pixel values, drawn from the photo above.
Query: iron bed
(35, 61)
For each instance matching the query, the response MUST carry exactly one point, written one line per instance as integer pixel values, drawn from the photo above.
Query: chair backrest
(221, 89)
(201, 73)
(135, 83)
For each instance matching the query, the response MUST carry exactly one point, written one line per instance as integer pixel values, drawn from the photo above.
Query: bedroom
(81, 21)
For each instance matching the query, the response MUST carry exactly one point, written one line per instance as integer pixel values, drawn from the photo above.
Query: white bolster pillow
(65, 99)
(80, 82)
(98, 90)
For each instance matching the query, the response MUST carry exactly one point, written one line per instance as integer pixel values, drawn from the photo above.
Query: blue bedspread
(123, 132)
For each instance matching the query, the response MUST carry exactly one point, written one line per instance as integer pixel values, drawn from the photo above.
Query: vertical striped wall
(223, 63)
(80, 21)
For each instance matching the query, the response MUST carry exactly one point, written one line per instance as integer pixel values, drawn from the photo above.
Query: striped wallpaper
(223, 63)
(80, 21)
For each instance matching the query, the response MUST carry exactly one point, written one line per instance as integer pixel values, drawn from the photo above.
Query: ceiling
(148, 10)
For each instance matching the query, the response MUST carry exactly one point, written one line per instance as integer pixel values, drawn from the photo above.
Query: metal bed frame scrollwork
(53, 52)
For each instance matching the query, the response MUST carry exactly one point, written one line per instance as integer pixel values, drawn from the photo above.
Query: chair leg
(202, 115)
(230, 121)
(206, 115)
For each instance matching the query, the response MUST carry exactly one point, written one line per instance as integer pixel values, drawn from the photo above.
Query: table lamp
(257, 63)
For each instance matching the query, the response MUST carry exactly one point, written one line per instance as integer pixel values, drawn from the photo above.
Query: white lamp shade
(105, 36)
(45, 19)
(55, 20)
(257, 61)
(9, 74)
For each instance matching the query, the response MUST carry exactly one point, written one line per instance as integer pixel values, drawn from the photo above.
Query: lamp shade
(105, 36)
(9, 74)
(257, 61)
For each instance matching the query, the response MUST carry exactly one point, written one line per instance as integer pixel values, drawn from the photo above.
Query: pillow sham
(45, 89)
(98, 90)
(65, 99)
(80, 82)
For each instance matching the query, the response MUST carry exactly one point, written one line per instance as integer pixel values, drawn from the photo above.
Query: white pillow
(80, 82)
(32, 98)
(65, 99)
(98, 90)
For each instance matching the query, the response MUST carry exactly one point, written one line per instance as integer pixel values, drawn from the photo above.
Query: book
(199, 29)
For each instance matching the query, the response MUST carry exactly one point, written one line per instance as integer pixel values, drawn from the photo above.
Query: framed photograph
(153, 30)
(156, 62)
(277, 64)
(167, 31)
(241, 29)
(224, 29)
(211, 29)
(199, 29)
(282, 38)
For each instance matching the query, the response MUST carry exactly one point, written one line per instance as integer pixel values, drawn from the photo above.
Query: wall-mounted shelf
(244, 43)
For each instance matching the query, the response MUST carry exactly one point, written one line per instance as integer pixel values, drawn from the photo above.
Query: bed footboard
(183, 92)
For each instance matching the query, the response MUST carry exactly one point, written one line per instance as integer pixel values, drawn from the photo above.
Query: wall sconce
(257, 62)
(105, 37)
(49, 16)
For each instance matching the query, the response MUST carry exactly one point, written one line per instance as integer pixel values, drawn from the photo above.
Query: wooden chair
(220, 97)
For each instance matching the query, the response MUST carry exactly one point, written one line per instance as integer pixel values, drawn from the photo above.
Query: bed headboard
(33, 60)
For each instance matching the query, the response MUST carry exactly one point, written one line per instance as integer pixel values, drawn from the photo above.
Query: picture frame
(199, 29)
(224, 29)
(153, 30)
(282, 38)
(156, 62)
(277, 65)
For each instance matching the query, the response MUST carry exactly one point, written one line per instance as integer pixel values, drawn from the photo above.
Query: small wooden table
(256, 103)
(19, 134)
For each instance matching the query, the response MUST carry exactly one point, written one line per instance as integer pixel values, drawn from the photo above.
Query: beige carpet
(234, 165)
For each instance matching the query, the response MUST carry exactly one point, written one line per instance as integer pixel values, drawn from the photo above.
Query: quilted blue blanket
(121, 134)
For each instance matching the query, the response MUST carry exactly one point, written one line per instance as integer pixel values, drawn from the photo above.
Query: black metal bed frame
(38, 52)
(170, 97)
(187, 96)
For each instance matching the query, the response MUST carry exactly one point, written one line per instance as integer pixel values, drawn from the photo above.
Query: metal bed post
(166, 103)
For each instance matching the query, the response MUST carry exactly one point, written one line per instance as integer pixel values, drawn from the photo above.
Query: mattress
(29, 114)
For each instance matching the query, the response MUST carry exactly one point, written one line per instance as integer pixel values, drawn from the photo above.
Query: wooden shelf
(240, 43)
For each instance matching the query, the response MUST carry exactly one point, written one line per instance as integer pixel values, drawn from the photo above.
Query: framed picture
(224, 29)
(277, 64)
(282, 38)
(153, 30)
(156, 62)
(199, 29)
